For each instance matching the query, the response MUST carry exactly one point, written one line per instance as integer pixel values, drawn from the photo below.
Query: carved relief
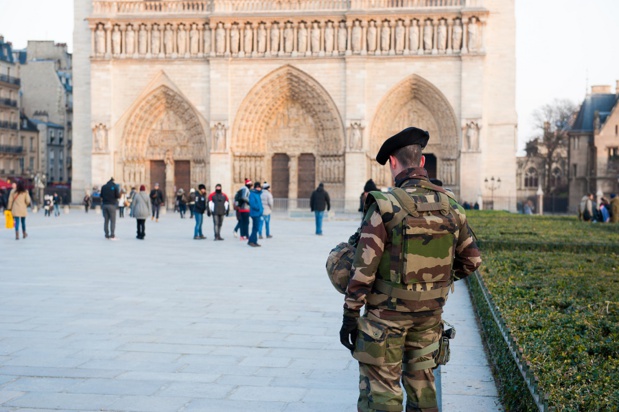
(235, 39)
(100, 40)
(248, 39)
(442, 36)
(207, 39)
(248, 165)
(142, 40)
(372, 37)
(331, 169)
(168, 40)
(471, 136)
(355, 136)
(275, 38)
(427, 36)
(457, 35)
(414, 36)
(385, 36)
(342, 37)
(399, 37)
(315, 37)
(181, 39)
(218, 131)
(194, 40)
(155, 41)
(116, 49)
(329, 33)
(99, 135)
(447, 172)
(262, 39)
(220, 39)
(472, 35)
(302, 38)
(288, 38)
(130, 40)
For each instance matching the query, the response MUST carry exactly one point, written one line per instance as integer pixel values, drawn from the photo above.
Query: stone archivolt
(163, 125)
(449, 32)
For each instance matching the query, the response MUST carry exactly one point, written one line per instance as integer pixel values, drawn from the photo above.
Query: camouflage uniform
(402, 273)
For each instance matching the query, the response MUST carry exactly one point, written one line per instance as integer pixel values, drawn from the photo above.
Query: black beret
(407, 137)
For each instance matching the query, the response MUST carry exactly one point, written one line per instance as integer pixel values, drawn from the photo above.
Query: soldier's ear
(423, 161)
(392, 162)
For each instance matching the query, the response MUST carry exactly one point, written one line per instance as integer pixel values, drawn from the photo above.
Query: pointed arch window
(531, 178)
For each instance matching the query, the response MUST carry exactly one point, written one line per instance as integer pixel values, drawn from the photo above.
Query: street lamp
(492, 185)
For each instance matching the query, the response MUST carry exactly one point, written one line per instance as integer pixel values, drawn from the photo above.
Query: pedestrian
(267, 206)
(19, 200)
(192, 202)
(404, 284)
(140, 210)
(319, 201)
(218, 206)
(255, 212)
(370, 186)
(110, 193)
(129, 201)
(585, 208)
(182, 202)
(528, 207)
(604, 210)
(241, 200)
(122, 202)
(56, 200)
(86, 202)
(199, 212)
(156, 200)
(614, 208)
(48, 205)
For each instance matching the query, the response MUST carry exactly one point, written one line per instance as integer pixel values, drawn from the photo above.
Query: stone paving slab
(174, 324)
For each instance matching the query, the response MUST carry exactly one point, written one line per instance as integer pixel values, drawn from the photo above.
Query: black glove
(348, 332)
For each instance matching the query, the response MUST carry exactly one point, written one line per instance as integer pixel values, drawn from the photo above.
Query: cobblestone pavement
(175, 324)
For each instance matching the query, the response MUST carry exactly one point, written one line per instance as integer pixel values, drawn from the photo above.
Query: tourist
(199, 212)
(319, 201)
(192, 202)
(87, 201)
(56, 200)
(122, 203)
(218, 206)
(241, 199)
(614, 208)
(156, 200)
(130, 197)
(370, 186)
(585, 208)
(181, 201)
(140, 210)
(528, 207)
(110, 193)
(47, 205)
(267, 206)
(19, 200)
(255, 212)
(604, 211)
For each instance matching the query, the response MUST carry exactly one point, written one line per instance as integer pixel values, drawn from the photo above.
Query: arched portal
(164, 142)
(288, 112)
(417, 102)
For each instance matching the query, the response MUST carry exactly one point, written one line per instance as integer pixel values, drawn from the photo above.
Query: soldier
(413, 243)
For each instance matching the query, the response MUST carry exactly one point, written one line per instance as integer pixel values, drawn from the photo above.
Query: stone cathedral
(294, 92)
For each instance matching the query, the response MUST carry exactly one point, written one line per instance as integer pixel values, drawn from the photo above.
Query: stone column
(450, 25)
(465, 37)
(293, 186)
(349, 38)
(123, 39)
(407, 24)
(227, 27)
(482, 37)
(241, 28)
(267, 27)
(392, 36)
(294, 53)
(108, 40)
(364, 35)
(435, 37)
(540, 200)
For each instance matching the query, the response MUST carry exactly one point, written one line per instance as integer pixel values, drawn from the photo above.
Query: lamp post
(492, 185)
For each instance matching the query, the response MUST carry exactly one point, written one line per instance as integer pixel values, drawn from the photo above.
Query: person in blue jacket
(255, 213)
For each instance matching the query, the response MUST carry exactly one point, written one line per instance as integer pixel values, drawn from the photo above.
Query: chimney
(602, 89)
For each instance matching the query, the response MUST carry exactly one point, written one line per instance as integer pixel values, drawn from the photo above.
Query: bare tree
(550, 146)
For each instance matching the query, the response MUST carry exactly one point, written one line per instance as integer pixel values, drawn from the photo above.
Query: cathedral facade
(294, 92)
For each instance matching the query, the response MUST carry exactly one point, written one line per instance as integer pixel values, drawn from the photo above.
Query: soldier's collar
(411, 173)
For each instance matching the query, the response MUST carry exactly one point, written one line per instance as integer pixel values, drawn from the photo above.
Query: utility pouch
(443, 354)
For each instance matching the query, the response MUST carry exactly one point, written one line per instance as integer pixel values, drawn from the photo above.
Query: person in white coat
(140, 209)
(267, 205)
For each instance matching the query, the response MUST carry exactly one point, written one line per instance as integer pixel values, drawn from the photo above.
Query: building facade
(293, 92)
(11, 153)
(47, 99)
(594, 146)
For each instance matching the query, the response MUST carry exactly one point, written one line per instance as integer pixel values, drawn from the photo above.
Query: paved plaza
(174, 324)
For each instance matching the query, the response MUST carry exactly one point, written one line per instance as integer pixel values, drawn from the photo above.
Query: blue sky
(563, 46)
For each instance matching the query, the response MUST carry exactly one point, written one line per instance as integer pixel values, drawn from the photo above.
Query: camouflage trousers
(385, 351)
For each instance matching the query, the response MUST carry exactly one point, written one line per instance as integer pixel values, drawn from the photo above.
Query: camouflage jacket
(406, 263)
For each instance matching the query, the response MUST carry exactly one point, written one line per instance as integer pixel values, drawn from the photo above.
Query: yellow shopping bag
(10, 223)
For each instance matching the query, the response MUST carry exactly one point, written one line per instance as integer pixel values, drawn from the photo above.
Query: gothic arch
(417, 102)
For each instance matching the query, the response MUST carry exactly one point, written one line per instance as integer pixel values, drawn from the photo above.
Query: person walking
(56, 200)
(267, 206)
(319, 201)
(586, 210)
(130, 198)
(414, 241)
(369, 186)
(182, 202)
(255, 212)
(122, 200)
(199, 212)
(48, 205)
(156, 200)
(241, 200)
(87, 201)
(19, 200)
(110, 193)
(192, 202)
(140, 210)
(218, 206)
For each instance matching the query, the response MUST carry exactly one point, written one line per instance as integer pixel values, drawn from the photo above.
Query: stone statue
(275, 38)
(399, 37)
(142, 40)
(262, 38)
(457, 35)
(100, 39)
(155, 40)
(100, 137)
(194, 40)
(329, 37)
(372, 37)
(427, 36)
(130, 39)
(288, 38)
(472, 136)
(302, 38)
(207, 39)
(219, 144)
(413, 37)
(342, 37)
(181, 39)
(472, 32)
(385, 34)
(235, 37)
(442, 36)
(168, 40)
(315, 37)
(116, 41)
(355, 136)
(220, 39)
(248, 39)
